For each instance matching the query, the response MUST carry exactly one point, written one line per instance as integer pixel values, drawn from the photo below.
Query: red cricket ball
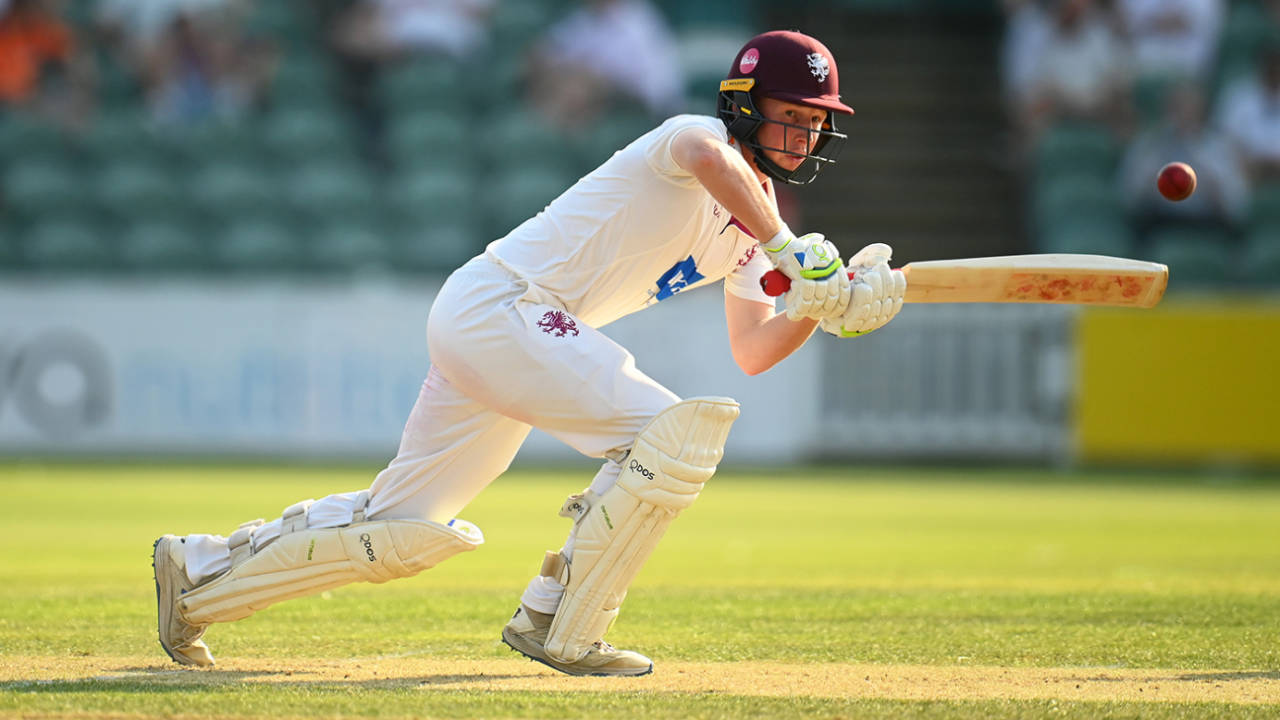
(1176, 181)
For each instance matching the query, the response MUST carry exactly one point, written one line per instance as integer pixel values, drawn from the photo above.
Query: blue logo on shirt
(680, 276)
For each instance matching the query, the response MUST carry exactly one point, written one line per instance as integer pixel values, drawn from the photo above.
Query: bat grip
(774, 283)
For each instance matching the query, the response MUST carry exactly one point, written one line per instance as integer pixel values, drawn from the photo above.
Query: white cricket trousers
(505, 357)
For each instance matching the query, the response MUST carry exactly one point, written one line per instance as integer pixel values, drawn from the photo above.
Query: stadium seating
(324, 191)
(286, 22)
(430, 138)
(67, 245)
(1264, 206)
(1197, 259)
(1091, 235)
(123, 134)
(1150, 98)
(117, 88)
(302, 80)
(157, 245)
(215, 143)
(126, 190)
(1260, 261)
(1066, 198)
(519, 193)
(257, 245)
(521, 21)
(1246, 29)
(1071, 148)
(466, 159)
(348, 246)
(10, 247)
(523, 137)
(433, 247)
(598, 143)
(428, 195)
(685, 15)
(422, 84)
(231, 189)
(292, 135)
(22, 137)
(38, 189)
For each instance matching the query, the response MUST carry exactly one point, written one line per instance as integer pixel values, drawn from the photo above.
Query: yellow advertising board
(1190, 381)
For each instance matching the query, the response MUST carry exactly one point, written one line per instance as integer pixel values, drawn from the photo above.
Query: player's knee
(678, 450)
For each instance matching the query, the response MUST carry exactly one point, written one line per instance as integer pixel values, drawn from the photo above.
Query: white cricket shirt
(635, 231)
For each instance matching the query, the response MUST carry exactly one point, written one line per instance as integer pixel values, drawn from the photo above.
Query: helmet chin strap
(772, 169)
(777, 172)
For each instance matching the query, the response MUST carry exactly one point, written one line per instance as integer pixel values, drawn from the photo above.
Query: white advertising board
(306, 370)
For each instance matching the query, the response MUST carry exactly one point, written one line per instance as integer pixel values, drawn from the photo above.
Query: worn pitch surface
(763, 679)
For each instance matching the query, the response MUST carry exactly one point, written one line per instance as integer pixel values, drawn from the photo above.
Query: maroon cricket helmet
(793, 67)
(788, 65)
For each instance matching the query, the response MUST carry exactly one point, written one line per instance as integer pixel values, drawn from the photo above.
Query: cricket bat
(1054, 278)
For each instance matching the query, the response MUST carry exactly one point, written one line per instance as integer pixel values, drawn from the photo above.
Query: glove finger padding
(871, 255)
(844, 293)
(876, 279)
(887, 302)
(899, 291)
(860, 308)
(876, 298)
(819, 298)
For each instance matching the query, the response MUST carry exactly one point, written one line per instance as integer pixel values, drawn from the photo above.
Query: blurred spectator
(1177, 38)
(370, 36)
(381, 30)
(40, 69)
(203, 68)
(1065, 61)
(1027, 25)
(133, 28)
(1249, 112)
(1222, 192)
(604, 53)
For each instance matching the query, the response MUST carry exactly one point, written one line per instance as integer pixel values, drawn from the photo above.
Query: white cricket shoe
(180, 639)
(526, 633)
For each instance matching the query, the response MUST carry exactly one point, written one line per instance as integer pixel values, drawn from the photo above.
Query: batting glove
(877, 293)
(820, 287)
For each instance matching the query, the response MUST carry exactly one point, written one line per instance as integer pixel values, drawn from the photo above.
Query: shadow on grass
(152, 680)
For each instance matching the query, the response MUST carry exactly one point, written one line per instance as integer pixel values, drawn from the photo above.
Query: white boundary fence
(955, 380)
(330, 371)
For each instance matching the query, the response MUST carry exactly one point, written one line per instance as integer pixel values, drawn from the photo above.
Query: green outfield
(816, 593)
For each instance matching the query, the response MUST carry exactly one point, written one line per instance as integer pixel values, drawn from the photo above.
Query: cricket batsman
(514, 342)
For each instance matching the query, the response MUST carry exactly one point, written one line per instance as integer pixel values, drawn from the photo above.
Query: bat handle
(774, 283)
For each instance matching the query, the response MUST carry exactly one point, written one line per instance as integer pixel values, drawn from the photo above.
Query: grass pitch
(816, 593)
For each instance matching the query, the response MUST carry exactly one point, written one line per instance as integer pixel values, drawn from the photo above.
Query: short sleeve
(744, 281)
(658, 154)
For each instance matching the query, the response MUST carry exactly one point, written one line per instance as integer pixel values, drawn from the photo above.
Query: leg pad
(308, 561)
(615, 532)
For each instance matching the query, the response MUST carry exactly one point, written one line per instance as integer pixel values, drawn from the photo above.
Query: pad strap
(241, 541)
(555, 566)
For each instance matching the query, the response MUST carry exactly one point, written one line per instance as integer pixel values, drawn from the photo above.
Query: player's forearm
(768, 344)
(758, 338)
(729, 179)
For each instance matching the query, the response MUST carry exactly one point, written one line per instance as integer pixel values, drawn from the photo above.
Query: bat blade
(1064, 278)
(1053, 278)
